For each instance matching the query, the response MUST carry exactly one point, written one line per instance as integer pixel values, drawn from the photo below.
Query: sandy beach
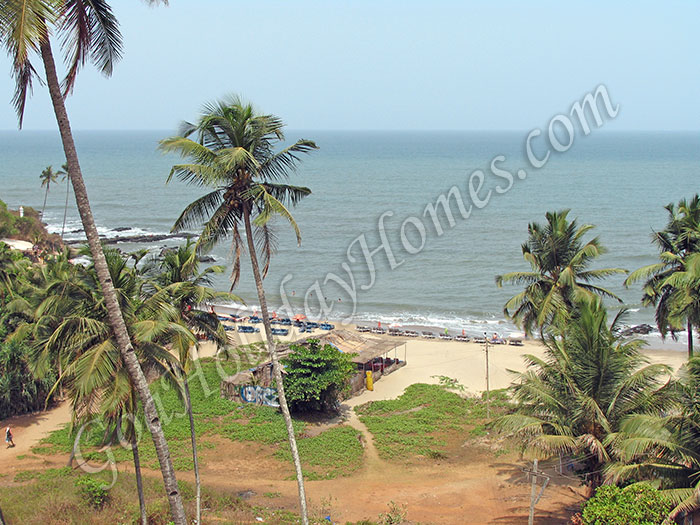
(427, 359)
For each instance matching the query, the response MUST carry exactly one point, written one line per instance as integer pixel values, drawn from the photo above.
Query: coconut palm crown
(234, 153)
(559, 275)
(668, 284)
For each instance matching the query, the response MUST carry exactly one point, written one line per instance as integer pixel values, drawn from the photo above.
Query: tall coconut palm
(234, 153)
(589, 381)
(47, 177)
(90, 32)
(559, 275)
(178, 280)
(678, 241)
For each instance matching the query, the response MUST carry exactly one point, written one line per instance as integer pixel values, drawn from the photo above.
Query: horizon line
(391, 130)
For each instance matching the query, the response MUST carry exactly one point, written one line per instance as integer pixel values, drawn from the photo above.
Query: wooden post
(488, 388)
(533, 486)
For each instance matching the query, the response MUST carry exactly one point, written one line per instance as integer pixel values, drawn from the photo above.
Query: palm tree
(559, 277)
(73, 329)
(665, 449)
(678, 241)
(234, 153)
(66, 177)
(91, 33)
(47, 177)
(589, 381)
(179, 280)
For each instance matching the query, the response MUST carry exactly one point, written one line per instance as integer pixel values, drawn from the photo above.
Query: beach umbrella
(379, 324)
(463, 333)
(394, 325)
(299, 317)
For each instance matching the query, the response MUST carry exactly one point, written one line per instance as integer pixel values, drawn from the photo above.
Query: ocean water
(427, 275)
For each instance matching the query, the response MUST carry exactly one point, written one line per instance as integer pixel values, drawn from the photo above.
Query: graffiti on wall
(260, 395)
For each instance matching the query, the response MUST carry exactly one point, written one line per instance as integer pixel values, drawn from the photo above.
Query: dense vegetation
(593, 399)
(20, 391)
(316, 376)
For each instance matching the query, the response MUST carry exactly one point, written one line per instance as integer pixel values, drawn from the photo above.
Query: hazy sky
(389, 64)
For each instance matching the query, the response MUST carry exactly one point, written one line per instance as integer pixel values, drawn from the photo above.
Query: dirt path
(28, 430)
(372, 460)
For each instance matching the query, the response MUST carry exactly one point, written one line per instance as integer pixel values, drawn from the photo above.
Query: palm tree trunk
(44, 206)
(277, 371)
(65, 209)
(690, 339)
(116, 320)
(197, 481)
(139, 482)
(71, 457)
(2, 518)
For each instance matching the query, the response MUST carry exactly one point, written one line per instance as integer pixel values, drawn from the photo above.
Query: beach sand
(466, 362)
(426, 359)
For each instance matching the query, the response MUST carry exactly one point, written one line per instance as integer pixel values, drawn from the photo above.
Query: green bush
(316, 376)
(93, 491)
(20, 391)
(633, 505)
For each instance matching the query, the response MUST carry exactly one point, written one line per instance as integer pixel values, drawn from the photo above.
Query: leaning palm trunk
(116, 320)
(139, 481)
(197, 481)
(276, 367)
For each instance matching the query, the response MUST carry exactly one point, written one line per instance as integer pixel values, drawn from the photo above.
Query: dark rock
(122, 229)
(207, 259)
(246, 494)
(138, 238)
(641, 329)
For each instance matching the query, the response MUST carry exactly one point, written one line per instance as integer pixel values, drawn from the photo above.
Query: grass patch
(324, 456)
(262, 425)
(42, 475)
(422, 419)
(56, 499)
(207, 405)
(335, 452)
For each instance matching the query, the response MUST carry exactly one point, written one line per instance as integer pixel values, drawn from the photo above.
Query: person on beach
(8, 438)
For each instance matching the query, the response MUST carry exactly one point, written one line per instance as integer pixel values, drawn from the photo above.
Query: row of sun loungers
(308, 326)
(514, 341)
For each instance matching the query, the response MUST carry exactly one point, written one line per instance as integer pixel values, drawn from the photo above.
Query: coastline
(428, 359)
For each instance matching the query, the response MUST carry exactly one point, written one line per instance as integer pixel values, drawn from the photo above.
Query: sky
(389, 64)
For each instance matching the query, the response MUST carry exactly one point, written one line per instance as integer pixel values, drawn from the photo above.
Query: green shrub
(395, 515)
(633, 505)
(93, 491)
(316, 376)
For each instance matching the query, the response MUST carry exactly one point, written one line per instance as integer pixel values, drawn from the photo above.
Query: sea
(377, 246)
